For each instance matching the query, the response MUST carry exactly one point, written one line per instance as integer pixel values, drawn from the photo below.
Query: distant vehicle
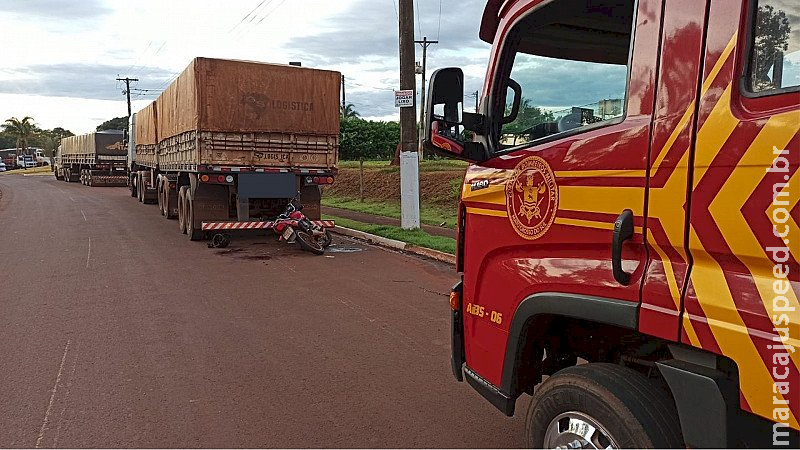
(94, 159)
(26, 161)
(2, 167)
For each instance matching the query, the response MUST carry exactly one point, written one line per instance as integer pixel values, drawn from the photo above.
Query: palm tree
(22, 130)
(348, 111)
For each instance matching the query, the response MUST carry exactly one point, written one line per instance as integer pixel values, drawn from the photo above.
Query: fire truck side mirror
(448, 129)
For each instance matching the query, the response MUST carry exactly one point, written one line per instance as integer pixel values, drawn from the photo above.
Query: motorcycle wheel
(309, 243)
(326, 239)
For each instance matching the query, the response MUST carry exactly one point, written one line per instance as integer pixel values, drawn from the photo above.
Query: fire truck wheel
(182, 208)
(601, 405)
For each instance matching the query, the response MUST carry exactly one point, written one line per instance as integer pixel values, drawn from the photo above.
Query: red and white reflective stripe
(214, 226)
(221, 226)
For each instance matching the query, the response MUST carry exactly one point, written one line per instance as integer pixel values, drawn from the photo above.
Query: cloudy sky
(60, 58)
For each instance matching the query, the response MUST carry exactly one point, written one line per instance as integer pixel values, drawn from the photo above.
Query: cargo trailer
(233, 141)
(94, 159)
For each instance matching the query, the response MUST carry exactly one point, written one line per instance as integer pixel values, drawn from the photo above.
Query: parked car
(2, 166)
(26, 161)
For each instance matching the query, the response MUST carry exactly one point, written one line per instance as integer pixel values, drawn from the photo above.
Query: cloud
(370, 29)
(56, 9)
(89, 81)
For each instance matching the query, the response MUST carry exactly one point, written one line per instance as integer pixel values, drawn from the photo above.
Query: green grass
(31, 170)
(428, 165)
(429, 215)
(413, 237)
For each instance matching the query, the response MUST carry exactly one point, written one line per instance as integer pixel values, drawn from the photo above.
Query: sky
(61, 58)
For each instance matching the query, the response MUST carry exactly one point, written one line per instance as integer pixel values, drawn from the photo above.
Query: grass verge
(31, 170)
(429, 215)
(413, 237)
(427, 165)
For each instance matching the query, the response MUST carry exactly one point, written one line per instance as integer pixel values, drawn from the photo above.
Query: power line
(248, 15)
(270, 13)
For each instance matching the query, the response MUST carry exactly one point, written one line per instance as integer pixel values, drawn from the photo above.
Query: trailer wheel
(132, 183)
(182, 208)
(56, 173)
(194, 235)
(141, 190)
(601, 405)
(168, 206)
(159, 196)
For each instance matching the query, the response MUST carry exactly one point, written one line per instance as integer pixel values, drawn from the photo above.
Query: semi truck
(234, 141)
(94, 159)
(636, 272)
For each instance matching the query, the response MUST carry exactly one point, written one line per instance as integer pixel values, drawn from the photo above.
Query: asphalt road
(117, 331)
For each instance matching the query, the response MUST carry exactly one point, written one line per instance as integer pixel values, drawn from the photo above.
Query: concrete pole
(409, 157)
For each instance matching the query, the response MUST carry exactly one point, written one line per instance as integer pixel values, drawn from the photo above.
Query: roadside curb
(396, 245)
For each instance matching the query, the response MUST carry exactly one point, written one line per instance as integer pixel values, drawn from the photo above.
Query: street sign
(404, 99)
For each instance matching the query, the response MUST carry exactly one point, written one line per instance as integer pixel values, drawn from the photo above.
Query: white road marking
(52, 397)
(70, 197)
(66, 397)
(84, 216)
(89, 253)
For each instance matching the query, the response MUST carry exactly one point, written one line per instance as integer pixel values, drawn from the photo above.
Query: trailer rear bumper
(254, 225)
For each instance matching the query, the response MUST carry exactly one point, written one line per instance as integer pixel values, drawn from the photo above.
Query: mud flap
(210, 204)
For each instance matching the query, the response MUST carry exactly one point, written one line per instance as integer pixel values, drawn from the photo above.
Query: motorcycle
(293, 226)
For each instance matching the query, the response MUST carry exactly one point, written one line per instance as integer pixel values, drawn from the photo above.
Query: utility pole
(409, 156)
(128, 91)
(344, 101)
(424, 43)
(476, 96)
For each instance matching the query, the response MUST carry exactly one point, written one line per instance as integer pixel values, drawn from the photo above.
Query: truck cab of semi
(628, 207)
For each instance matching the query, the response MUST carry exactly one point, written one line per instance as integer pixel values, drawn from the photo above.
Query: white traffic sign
(404, 99)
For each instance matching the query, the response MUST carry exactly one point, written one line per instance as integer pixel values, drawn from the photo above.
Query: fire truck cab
(628, 229)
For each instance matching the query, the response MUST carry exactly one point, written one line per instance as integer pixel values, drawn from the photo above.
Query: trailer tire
(194, 235)
(182, 208)
(168, 206)
(160, 197)
(142, 189)
(619, 407)
(132, 183)
(56, 172)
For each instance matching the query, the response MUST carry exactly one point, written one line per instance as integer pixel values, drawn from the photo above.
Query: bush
(368, 139)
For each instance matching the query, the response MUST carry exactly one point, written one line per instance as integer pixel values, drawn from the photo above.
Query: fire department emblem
(532, 198)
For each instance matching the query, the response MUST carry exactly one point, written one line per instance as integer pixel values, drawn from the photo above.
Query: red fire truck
(628, 237)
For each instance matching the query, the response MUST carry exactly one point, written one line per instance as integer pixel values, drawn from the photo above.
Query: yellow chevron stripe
(716, 130)
(730, 332)
(487, 212)
(590, 224)
(727, 205)
(689, 328)
(601, 199)
(712, 75)
(609, 173)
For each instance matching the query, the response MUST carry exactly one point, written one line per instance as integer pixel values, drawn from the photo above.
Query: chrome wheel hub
(573, 430)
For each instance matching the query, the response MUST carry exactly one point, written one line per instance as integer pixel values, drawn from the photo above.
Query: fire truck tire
(182, 208)
(624, 408)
